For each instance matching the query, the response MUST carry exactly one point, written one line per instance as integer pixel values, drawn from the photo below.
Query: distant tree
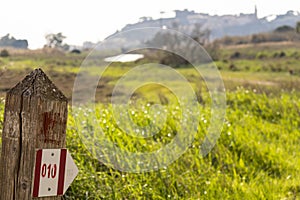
(55, 40)
(298, 27)
(65, 47)
(175, 25)
(258, 38)
(88, 45)
(283, 29)
(200, 35)
(172, 41)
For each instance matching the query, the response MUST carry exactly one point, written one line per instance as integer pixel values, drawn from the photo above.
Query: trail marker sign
(54, 172)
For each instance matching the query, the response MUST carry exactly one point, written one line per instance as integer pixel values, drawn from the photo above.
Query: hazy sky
(93, 20)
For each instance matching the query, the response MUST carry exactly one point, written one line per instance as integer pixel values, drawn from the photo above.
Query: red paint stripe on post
(37, 173)
(62, 167)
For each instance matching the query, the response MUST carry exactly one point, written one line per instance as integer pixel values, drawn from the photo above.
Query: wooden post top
(38, 84)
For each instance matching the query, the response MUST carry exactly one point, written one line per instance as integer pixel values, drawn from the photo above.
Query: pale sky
(94, 20)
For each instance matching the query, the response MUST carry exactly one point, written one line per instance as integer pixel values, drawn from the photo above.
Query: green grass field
(256, 157)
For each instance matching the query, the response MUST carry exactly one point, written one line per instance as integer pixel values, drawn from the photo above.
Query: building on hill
(219, 25)
(9, 41)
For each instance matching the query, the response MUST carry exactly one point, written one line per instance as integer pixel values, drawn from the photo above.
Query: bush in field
(232, 67)
(4, 53)
(235, 55)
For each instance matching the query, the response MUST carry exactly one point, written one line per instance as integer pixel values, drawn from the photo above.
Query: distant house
(9, 41)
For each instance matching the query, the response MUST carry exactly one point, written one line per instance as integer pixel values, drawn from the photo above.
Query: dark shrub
(76, 51)
(235, 55)
(4, 53)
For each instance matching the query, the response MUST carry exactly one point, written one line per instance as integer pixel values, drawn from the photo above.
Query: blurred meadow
(256, 157)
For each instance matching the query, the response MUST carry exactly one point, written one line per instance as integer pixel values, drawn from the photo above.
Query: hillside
(219, 26)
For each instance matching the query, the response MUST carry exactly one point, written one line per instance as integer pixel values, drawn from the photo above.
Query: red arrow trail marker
(54, 172)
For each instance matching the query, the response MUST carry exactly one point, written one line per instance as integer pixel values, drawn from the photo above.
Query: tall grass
(256, 157)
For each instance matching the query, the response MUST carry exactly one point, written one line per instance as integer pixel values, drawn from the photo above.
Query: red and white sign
(54, 172)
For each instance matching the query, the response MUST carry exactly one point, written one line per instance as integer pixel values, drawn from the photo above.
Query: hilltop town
(185, 21)
(220, 26)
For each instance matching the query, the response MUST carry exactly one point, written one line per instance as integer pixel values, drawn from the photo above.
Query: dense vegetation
(257, 157)
(280, 34)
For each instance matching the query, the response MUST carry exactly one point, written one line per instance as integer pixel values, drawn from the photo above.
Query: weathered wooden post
(35, 117)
